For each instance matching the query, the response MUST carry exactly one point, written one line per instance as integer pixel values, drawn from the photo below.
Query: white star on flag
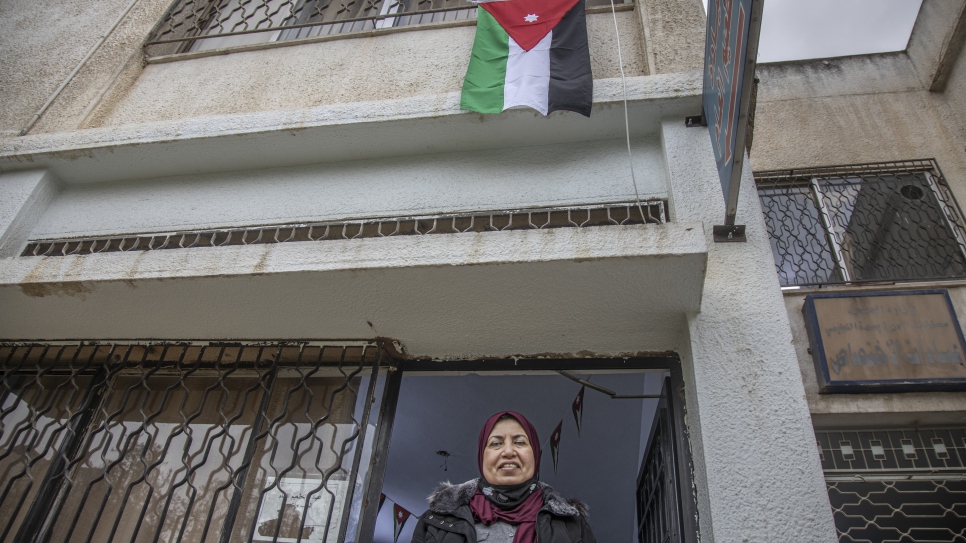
(531, 18)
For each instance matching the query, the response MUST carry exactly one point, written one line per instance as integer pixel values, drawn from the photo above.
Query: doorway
(439, 413)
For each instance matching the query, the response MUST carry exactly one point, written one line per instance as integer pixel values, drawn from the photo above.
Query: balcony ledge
(610, 290)
(363, 130)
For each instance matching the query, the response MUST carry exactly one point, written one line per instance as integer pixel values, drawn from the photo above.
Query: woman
(508, 504)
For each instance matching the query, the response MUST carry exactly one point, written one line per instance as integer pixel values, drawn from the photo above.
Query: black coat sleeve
(586, 534)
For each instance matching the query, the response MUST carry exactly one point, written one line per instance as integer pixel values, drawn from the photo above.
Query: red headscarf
(524, 515)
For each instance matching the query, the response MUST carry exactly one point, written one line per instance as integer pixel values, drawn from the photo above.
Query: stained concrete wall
(871, 108)
(393, 65)
(851, 110)
(43, 42)
(674, 33)
(955, 92)
(115, 87)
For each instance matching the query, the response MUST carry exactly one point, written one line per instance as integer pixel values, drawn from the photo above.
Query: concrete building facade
(255, 192)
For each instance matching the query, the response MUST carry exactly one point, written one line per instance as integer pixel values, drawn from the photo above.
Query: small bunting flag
(399, 518)
(382, 500)
(555, 445)
(578, 408)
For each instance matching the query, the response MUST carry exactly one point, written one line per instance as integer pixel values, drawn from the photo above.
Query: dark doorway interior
(444, 412)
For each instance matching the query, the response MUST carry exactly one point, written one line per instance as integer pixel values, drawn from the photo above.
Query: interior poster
(301, 498)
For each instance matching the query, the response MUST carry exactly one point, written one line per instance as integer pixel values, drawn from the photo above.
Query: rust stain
(406, 355)
(263, 260)
(67, 288)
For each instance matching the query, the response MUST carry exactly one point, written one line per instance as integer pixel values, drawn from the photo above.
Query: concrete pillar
(756, 461)
(24, 196)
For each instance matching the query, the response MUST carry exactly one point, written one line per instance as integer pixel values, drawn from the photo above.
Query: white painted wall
(534, 176)
(749, 420)
(24, 198)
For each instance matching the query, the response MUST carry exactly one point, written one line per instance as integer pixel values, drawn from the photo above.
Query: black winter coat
(450, 520)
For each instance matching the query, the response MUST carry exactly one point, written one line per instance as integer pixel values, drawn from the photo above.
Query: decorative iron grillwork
(198, 25)
(659, 511)
(896, 485)
(183, 442)
(650, 212)
(891, 221)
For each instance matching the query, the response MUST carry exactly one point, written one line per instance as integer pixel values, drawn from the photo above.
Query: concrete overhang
(364, 130)
(603, 290)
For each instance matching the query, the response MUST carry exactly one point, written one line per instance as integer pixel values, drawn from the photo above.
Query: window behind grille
(866, 223)
(200, 25)
(181, 442)
(896, 485)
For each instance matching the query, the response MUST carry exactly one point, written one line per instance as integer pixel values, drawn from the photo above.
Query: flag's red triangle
(528, 21)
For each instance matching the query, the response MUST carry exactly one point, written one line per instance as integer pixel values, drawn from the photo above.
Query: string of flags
(578, 409)
(399, 517)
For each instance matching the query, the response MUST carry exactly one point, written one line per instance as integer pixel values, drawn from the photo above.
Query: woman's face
(508, 457)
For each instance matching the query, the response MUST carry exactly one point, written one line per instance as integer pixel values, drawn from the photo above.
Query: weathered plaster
(24, 198)
(443, 296)
(674, 31)
(751, 424)
(954, 97)
(397, 65)
(853, 110)
(65, 35)
(936, 39)
(341, 132)
(534, 176)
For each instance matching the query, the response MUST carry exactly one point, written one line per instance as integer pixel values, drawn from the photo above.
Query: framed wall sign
(903, 341)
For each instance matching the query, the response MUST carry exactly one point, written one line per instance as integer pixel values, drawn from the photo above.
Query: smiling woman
(506, 456)
(508, 503)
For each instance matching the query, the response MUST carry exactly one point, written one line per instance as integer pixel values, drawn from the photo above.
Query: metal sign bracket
(726, 233)
(695, 121)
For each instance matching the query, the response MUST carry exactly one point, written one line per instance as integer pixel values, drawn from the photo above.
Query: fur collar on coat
(449, 497)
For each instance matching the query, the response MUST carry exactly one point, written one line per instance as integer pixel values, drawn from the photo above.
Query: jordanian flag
(530, 53)
(555, 445)
(578, 408)
(399, 518)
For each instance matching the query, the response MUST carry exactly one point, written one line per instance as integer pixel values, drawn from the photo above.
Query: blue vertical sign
(729, 72)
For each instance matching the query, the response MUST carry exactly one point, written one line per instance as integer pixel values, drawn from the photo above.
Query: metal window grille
(891, 221)
(198, 25)
(659, 511)
(529, 219)
(184, 442)
(896, 485)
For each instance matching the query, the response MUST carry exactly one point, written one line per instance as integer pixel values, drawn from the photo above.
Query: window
(182, 442)
(201, 25)
(876, 222)
(212, 442)
(896, 484)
